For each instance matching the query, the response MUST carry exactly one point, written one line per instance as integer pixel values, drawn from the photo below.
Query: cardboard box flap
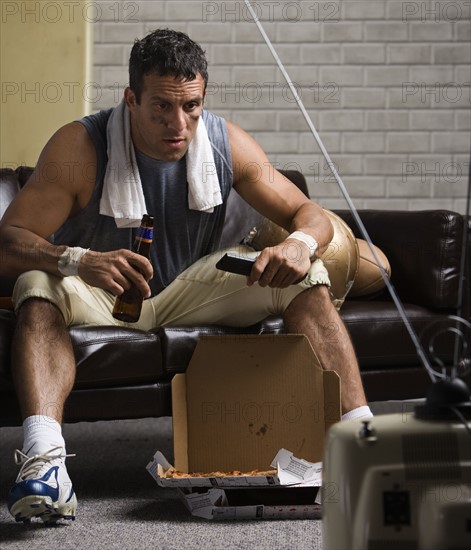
(247, 396)
(201, 504)
(180, 422)
(332, 408)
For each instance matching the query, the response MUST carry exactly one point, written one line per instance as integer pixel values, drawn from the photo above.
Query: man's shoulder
(212, 120)
(98, 120)
(216, 127)
(95, 126)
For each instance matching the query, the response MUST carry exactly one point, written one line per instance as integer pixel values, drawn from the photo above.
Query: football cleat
(43, 488)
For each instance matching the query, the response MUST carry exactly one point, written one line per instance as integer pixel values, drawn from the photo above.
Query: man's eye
(191, 106)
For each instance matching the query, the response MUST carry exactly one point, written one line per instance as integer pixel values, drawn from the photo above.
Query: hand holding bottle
(116, 271)
(128, 305)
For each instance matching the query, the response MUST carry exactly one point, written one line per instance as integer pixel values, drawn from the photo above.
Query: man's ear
(130, 98)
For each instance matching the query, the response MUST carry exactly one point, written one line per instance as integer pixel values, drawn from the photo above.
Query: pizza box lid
(245, 397)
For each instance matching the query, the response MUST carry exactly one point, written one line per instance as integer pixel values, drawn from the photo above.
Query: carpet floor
(120, 506)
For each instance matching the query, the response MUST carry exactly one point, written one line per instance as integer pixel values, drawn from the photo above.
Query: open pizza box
(249, 402)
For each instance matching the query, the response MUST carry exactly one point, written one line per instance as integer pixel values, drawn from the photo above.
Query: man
(75, 280)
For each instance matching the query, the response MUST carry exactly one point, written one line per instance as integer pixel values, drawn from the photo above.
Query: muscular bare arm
(278, 199)
(61, 184)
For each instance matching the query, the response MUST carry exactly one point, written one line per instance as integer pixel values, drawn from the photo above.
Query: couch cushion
(115, 356)
(380, 336)
(424, 249)
(24, 173)
(179, 342)
(105, 356)
(9, 187)
(124, 402)
(6, 333)
(378, 332)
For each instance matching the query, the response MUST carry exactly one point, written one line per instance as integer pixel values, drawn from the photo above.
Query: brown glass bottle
(127, 307)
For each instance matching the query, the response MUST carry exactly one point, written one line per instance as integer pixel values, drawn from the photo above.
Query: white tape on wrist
(69, 260)
(308, 240)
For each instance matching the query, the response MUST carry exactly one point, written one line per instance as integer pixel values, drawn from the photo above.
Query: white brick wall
(386, 82)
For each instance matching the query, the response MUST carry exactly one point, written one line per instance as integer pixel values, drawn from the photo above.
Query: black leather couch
(126, 373)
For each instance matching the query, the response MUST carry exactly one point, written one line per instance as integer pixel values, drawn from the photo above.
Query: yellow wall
(45, 74)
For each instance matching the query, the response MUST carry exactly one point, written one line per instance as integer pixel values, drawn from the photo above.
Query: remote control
(236, 264)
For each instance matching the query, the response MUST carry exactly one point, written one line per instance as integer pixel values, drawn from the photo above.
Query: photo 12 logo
(55, 92)
(436, 11)
(68, 11)
(221, 412)
(448, 172)
(254, 92)
(449, 92)
(270, 11)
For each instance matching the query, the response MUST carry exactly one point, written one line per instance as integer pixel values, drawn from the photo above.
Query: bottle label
(145, 234)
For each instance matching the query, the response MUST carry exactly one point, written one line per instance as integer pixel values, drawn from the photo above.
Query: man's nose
(176, 120)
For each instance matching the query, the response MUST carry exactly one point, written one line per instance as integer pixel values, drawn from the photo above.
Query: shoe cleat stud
(19, 518)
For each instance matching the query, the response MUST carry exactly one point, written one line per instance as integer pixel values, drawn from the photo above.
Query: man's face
(165, 122)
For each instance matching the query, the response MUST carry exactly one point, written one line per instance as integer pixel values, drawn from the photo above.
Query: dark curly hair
(166, 52)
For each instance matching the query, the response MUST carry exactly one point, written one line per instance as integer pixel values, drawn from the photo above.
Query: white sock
(359, 412)
(40, 434)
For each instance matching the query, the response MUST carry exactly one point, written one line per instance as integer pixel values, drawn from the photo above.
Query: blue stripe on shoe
(35, 487)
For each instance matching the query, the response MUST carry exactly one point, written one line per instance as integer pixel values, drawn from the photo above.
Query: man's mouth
(175, 142)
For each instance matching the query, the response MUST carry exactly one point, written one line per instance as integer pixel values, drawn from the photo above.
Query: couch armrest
(424, 250)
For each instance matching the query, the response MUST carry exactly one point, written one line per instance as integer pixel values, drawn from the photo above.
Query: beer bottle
(127, 307)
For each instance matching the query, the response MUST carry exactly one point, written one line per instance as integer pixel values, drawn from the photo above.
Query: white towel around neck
(123, 198)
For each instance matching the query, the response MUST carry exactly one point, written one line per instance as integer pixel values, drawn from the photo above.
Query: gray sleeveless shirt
(181, 235)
